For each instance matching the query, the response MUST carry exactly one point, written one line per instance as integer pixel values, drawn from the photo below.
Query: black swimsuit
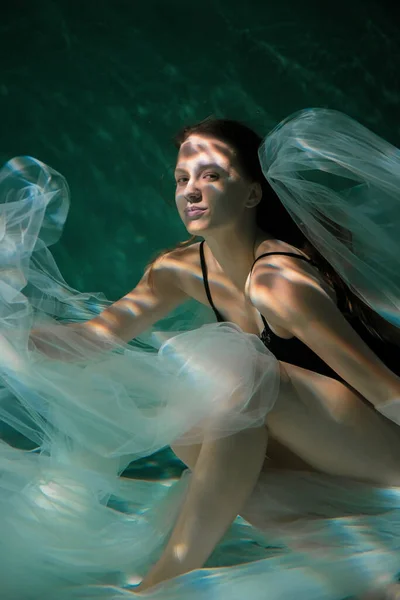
(294, 351)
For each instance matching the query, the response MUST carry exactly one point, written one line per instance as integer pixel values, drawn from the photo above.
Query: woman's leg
(223, 478)
(188, 454)
(333, 429)
(320, 420)
(278, 456)
(321, 424)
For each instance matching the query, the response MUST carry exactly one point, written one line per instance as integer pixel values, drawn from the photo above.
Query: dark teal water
(97, 88)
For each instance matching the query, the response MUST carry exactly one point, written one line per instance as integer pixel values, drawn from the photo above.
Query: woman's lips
(194, 213)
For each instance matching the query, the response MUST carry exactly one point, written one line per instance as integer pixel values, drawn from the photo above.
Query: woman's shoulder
(181, 255)
(181, 267)
(282, 265)
(277, 249)
(179, 263)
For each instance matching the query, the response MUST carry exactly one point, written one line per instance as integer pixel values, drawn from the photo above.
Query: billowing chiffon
(340, 182)
(117, 400)
(93, 408)
(71, 527)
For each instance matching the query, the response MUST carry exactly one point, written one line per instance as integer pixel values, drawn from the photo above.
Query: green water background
(97, 88)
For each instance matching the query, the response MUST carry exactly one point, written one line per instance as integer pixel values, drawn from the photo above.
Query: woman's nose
(192, 193)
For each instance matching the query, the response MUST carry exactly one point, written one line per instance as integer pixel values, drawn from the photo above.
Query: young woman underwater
(303, 359)
(268, 287)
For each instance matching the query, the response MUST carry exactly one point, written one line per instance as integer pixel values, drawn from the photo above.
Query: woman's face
(211, 191)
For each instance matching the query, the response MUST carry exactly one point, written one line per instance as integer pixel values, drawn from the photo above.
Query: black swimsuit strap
(341, 299)
(204, 271)
(292, 254)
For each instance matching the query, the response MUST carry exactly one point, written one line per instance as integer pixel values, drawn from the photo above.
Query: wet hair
(271, 216)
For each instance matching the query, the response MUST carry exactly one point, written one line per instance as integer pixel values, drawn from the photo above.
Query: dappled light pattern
(106, 403)
(96, 91)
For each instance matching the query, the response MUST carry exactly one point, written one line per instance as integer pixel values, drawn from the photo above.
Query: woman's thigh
(330, 427)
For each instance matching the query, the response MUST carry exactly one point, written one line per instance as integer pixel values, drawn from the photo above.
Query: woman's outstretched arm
(156, 294)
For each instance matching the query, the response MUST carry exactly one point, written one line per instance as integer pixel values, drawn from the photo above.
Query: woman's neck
(233, 251)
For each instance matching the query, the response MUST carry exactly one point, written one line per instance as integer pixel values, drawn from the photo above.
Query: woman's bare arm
(291, 296)
(156, 294)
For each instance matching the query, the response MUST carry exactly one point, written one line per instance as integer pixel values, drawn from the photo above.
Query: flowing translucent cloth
(341, 184)
(118, 401)
(71, 527)
(93, 408)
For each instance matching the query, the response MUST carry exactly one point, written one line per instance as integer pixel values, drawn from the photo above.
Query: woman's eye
(209, 176)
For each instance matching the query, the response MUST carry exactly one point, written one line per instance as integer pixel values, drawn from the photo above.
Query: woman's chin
(196, 227)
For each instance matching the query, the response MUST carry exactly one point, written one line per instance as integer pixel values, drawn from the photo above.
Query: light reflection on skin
(321, 421)
(207, 173)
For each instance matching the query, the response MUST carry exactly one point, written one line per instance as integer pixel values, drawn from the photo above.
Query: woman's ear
(254, 196)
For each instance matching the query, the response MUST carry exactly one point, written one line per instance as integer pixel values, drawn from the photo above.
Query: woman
(269, 287)
(317, 404)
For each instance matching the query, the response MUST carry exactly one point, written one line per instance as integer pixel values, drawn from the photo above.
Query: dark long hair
(271, 216)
